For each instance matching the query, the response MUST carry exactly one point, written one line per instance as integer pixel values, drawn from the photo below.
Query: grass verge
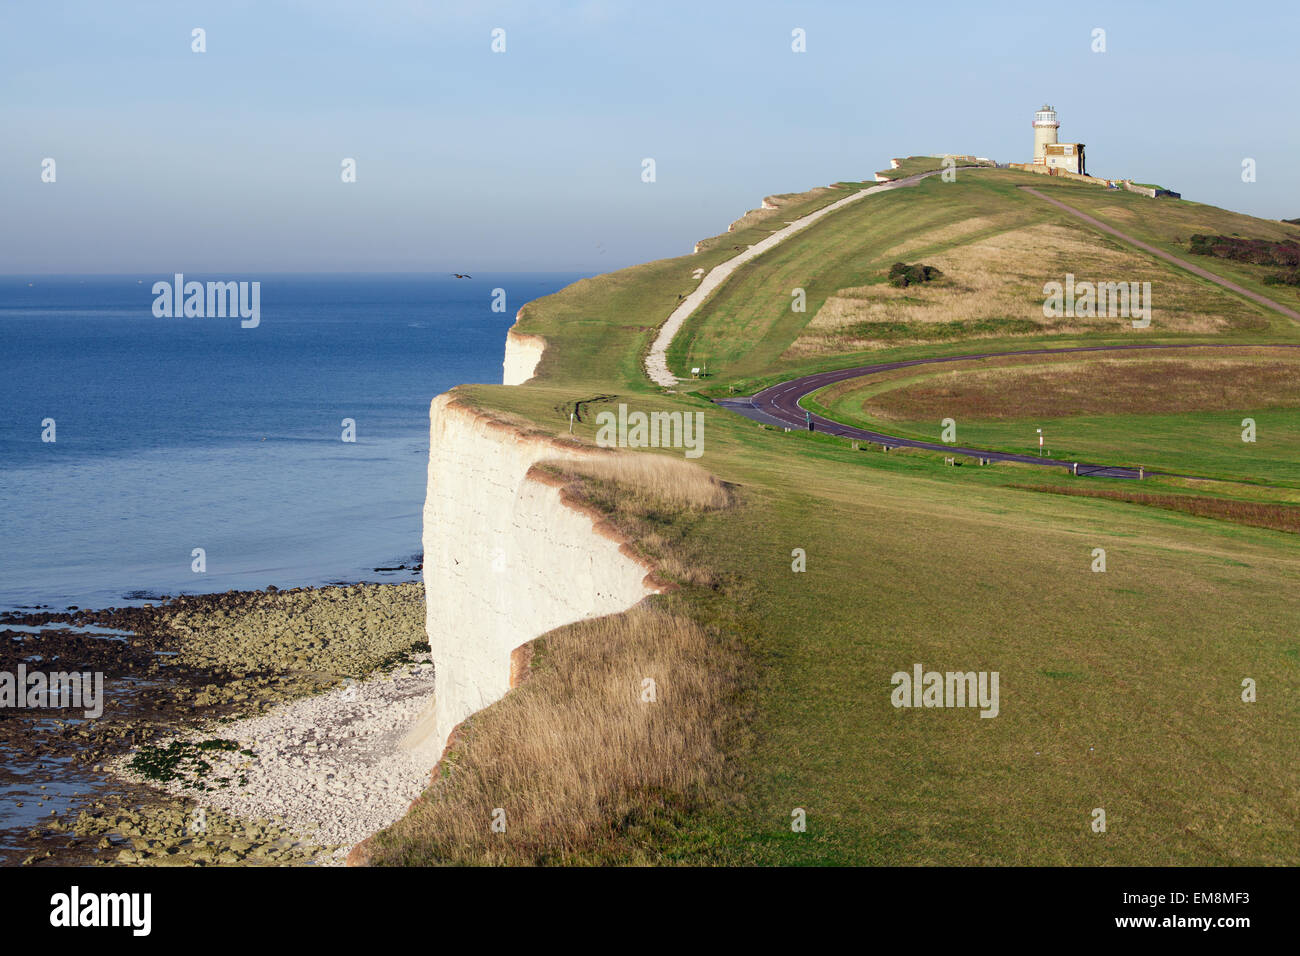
(1256, 514)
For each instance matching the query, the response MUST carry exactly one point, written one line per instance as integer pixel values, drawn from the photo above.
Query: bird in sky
(459, 276)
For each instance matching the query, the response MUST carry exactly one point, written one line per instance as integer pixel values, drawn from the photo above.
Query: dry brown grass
(650, 500)
(652, 479)
(584, 768)
(1096, 387)
(1257, 514)
(994, 287)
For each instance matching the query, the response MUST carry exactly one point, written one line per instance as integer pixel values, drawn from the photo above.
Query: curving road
(780, 405)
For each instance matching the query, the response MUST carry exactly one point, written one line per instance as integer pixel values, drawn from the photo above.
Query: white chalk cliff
(506, 559)
(523, 352)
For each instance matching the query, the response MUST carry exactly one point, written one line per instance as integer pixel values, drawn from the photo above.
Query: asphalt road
(779, 405)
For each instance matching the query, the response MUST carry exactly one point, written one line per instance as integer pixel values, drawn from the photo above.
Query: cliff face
(506, 559)
(523, 352)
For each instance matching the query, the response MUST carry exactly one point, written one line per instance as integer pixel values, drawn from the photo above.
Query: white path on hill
(656, 363)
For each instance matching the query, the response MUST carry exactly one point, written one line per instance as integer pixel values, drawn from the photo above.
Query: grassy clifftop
(835, 567)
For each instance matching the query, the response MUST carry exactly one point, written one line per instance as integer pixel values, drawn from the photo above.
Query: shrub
(902, 275)
(1260, 252)
(1283, 278)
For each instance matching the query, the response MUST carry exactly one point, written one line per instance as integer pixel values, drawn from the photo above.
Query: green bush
(1260, 252)
(902, 275)
(1283, 278)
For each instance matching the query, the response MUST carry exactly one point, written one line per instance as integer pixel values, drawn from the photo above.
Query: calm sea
(173, 434)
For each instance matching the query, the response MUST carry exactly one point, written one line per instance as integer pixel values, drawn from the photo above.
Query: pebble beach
(243, 728)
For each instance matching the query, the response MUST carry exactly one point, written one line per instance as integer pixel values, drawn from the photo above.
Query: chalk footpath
(656, 363)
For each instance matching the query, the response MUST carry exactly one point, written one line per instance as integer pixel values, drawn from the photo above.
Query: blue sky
(229, 160)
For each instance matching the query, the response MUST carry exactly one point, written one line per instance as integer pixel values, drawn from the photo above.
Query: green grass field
(1205, 444)
(1119, 689)
(1156, 429)
(911, 562)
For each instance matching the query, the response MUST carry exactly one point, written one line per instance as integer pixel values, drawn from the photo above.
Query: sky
(531, 159)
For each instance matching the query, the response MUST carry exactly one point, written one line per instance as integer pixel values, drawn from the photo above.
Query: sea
(144, 456)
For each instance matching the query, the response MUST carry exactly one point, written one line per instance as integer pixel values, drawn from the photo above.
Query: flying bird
(459, 276)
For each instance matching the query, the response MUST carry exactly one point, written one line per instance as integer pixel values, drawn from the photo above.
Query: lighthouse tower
(1045, 127)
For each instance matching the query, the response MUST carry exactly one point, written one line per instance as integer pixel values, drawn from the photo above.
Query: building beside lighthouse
(1066, 160)
(1050, 153)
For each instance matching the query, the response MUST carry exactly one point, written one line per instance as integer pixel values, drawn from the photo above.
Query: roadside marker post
(571, 414)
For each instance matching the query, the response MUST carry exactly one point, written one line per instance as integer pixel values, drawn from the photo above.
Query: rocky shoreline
(278, 675)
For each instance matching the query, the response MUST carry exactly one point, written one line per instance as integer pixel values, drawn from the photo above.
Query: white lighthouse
(1045, 127)
(1048, 152)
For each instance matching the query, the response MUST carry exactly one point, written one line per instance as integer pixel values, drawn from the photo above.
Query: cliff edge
(523, 352)
(506, 559)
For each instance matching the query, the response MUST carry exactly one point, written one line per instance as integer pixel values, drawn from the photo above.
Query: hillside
(1119, 690)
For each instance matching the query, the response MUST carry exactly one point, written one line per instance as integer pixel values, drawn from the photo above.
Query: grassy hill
(996, 246)
(1120, 689)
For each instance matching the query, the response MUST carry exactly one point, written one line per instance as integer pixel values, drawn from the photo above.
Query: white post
(1076, 468)
(571, 414)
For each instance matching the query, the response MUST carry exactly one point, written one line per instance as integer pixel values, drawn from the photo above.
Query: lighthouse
(1048, 152)
(1045, 127)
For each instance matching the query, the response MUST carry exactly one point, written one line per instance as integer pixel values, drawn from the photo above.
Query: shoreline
(400, 571)
(192, 666)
